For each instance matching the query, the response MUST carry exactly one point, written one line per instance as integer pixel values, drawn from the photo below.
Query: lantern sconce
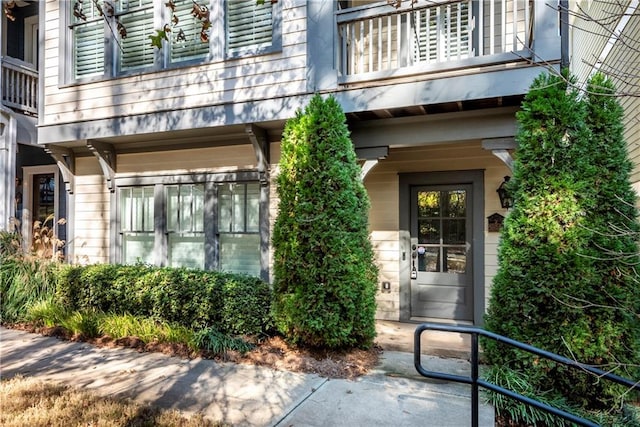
(506, 200)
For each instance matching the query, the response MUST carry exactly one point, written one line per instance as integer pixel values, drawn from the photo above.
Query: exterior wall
(588, 45)
(222, 82)
(382, 184)
(92, 202)
(92, 198)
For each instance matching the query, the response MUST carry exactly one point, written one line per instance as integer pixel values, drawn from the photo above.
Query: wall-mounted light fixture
(506, 200)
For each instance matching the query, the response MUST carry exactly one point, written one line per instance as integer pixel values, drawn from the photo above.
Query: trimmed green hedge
(197, 299)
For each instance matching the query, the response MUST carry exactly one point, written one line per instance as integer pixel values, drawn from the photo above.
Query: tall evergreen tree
(612, 311)
(566, 279)
(325, 276)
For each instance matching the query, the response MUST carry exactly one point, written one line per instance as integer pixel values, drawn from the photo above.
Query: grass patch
(30, 402)
(147, 330)
(212, 340)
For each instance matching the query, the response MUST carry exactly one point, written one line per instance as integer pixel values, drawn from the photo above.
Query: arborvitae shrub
(561, 284)
(325, 276)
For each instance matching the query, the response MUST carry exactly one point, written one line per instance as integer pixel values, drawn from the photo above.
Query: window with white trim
(87, 32)
(185, 225)
(134, 51)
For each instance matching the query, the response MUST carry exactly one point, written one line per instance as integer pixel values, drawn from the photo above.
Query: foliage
(46, 312)
(564, 281)
(27, 276)
(325, 276)
(147, 330)
(518, 382)
(211, 339)
(23, 282)
(195, 299)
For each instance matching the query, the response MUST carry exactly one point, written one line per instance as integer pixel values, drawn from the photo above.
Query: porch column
(8, 152)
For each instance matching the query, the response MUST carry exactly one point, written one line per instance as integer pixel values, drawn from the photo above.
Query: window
(185, 225)
(238, 228)
(112, 37)
(196, 225)
(87, 29)
(135, 51)
(249, 25)
(186, 39)
(442, 32)
(137, 224)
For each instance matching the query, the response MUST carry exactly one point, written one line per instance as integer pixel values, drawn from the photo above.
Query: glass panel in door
(441, 236)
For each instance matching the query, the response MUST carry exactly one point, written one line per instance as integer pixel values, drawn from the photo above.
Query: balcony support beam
(106, 155)
(260, 142)
(501, 148)
(66, 160)
(371, 156)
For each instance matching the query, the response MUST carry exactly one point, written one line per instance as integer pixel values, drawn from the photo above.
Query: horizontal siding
(182, 161)
(92, 218)
(386, 249)
(255, 77)
(625, 59)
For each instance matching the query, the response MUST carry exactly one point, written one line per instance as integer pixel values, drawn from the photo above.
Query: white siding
(92, 206)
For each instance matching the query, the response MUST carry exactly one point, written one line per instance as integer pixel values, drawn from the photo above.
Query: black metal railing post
(475, 395)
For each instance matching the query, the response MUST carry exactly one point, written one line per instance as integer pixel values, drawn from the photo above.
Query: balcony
(19, 85)
(379, 41)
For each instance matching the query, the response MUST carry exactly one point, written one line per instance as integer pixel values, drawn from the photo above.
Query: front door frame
(475, 178)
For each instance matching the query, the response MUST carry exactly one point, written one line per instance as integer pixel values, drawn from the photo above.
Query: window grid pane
(186, 43)
(248, 24)
(135, 50)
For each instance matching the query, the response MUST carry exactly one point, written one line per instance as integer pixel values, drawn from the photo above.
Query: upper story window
(109, 38)
(249, 25)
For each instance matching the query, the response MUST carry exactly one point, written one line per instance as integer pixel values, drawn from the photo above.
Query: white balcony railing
(379, 40)
(19, 84)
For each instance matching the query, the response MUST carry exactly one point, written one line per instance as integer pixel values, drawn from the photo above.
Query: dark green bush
(325, 276)
(566, 280)
(192, 298)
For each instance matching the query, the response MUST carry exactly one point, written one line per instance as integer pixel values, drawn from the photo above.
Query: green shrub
(325, 276)
(195, 299)
(566, 280)
(46, 312)
(146, 329)
(83, 323)
(23, 282)
(210, 339)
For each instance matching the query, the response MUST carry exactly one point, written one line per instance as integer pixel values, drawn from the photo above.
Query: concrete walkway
(246, 395)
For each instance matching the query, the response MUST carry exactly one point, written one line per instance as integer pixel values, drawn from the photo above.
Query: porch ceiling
(432, 109)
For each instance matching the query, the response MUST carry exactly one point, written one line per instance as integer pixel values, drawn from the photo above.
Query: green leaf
(156, 40)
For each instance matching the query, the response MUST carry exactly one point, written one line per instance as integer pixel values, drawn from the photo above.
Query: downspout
(564, 34)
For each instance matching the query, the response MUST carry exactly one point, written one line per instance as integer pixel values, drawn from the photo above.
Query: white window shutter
(192, 46)
(249, 24)
(88, 41)
(136, 51)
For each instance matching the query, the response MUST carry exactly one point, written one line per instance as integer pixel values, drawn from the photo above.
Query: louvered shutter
(192, 47)
(136, 51)
(442, 32)
(248, 24)
(88, 42)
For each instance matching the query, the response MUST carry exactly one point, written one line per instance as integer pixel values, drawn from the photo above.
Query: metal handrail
(477, 382)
